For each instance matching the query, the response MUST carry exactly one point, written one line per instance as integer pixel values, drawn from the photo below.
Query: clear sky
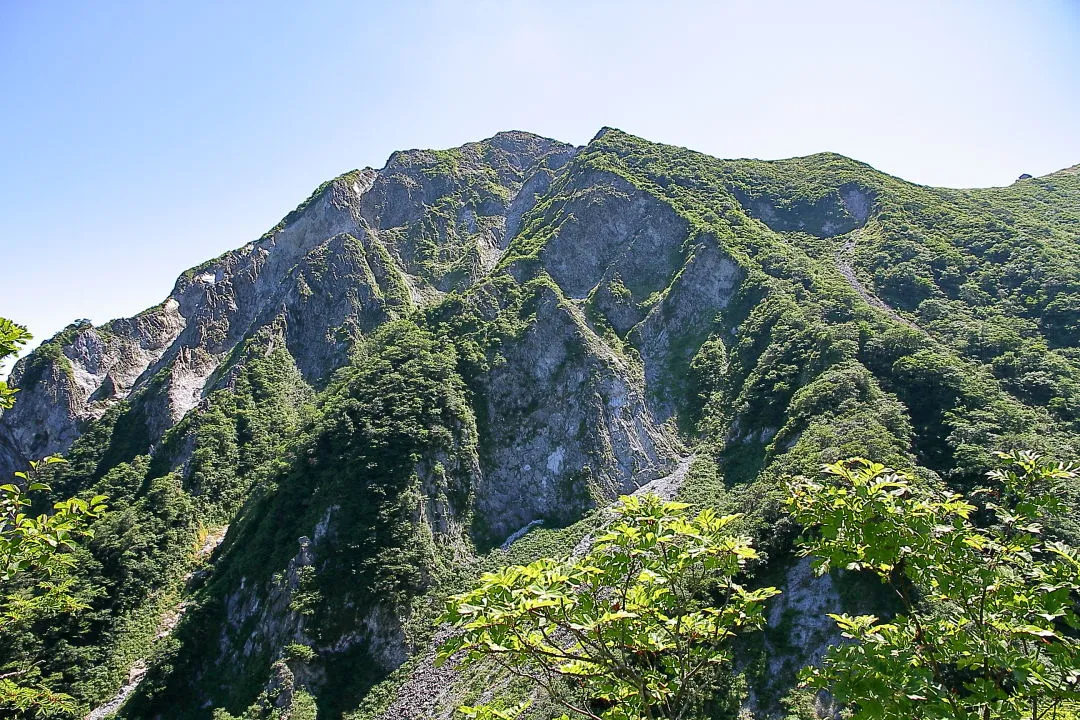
(140, 138)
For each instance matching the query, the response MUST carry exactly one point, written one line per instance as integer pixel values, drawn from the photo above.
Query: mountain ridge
(421, 361)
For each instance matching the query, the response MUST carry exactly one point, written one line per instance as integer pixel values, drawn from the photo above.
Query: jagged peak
(343, 182)
(524, 147)
(517, 138)
(634, 289)
(605, 130)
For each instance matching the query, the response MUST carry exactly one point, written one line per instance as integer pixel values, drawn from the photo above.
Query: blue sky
(140, 138)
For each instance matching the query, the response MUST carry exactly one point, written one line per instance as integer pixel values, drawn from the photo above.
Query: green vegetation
(12, 336)
(353, 469)
(449, 209)
(640, 626)
(988, 623)
(132, 569)
(36, 583)
(36, 559)
(864, 316)
(51, 354)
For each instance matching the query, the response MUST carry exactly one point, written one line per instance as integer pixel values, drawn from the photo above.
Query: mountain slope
(423, 360)
(365, 247)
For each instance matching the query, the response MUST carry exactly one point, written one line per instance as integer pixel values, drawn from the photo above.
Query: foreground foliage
(988, 627)
(12, 336)
(640, 626)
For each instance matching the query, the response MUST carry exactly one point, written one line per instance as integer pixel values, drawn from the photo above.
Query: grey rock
(334, 269)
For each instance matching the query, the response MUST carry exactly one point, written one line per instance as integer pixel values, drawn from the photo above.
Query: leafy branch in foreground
(12, 337)
(988, 626)
(639, 627)
(33, 550)
(34, 580)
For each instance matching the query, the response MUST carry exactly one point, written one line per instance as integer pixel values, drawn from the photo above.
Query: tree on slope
(640, 626)
(988, 626)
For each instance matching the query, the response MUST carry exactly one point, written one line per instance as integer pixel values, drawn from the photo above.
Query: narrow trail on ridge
(843, 264)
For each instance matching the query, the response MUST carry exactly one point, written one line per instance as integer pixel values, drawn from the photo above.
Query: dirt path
(843, 264)
(668, 486)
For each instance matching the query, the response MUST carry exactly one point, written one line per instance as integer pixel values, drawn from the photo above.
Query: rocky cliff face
(365, 247)
(422, 365)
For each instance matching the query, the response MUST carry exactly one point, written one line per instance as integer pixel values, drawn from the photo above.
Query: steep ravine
(166, 624)
(432, 691)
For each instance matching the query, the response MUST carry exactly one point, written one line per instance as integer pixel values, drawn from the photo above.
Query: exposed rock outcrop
(362, 249)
